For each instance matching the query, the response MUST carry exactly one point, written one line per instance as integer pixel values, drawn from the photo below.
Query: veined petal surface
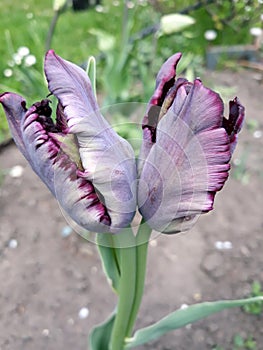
(188, 161)
(86, 165)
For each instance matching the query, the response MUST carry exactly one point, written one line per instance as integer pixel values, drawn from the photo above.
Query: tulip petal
(14, 107)
(81, 159)
(235, 121)
(164, 81)
(108, 160)
(72, 87)
(189, 161)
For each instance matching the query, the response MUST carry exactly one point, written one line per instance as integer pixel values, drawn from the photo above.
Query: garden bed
(47, 278)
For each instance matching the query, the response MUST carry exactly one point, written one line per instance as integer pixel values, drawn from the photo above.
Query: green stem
(142, 241)
(126, 288)
(51, 30)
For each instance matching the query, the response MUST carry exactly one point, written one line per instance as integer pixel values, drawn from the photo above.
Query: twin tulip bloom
(92, 171)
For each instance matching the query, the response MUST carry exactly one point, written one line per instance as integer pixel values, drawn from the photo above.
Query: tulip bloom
(187, 146)
(86, 165)
(184, 159)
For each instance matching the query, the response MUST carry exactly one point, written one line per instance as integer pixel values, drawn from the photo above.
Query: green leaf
(99, 338)
(174, 23)
(91, 71)
(109, 257)
(182, 317)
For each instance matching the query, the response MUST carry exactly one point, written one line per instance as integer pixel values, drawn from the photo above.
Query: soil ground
(47, 279)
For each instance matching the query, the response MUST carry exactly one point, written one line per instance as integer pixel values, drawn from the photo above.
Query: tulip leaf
(182, 317)
(91, 71)
(99, 338)
(109, 258)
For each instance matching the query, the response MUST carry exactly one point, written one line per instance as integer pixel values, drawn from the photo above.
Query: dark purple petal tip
(235, 121)
(165, 79)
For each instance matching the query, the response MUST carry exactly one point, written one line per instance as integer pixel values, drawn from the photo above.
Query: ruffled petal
(84, 163)
(72, 87)
(14, 107)
(189, 161)
(164, 81)
(108, 160)
(234, 122)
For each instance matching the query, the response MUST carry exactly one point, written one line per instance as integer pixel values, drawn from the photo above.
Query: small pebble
(213, 265)
(66, 231)
(12, 244)
(197, 296)
(257, 134)
(45, 332)
(153, 243)
(94, 270)
(225, 245)
(183, 306)
(71, 321)
(16, 171)
(83, 313)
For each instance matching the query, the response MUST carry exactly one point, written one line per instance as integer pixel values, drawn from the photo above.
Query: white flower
(255, 31)
(30, 60)
(23, 51)
(210, 35)
(99, 8)
(17, 58)
(8, 72)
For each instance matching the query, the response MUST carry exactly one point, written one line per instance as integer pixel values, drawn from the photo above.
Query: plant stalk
(126, 288)
(142, 243)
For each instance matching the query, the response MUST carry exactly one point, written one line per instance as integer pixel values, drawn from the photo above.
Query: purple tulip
(186, 150)
(184, 159)
(86, 165)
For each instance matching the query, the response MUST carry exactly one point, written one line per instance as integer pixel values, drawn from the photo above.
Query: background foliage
(124, 37)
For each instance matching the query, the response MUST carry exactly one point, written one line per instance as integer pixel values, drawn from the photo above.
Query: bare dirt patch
(47, 279)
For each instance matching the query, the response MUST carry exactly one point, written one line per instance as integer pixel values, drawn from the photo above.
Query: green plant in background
(255, 308)
(140, 36)
(241, 343)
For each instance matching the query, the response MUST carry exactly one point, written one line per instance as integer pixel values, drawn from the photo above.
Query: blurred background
(130, 40)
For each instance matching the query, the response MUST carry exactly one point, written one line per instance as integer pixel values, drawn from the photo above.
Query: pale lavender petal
(164, 81)
(85, 164)
(14, 107)
(72, 87)
(108, 160)
(189, 160)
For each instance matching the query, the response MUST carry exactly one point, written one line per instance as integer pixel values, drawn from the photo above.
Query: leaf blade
(182, 317)
(99, 338)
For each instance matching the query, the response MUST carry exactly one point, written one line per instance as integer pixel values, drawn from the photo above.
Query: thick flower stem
(142, 240)
(126, 288)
